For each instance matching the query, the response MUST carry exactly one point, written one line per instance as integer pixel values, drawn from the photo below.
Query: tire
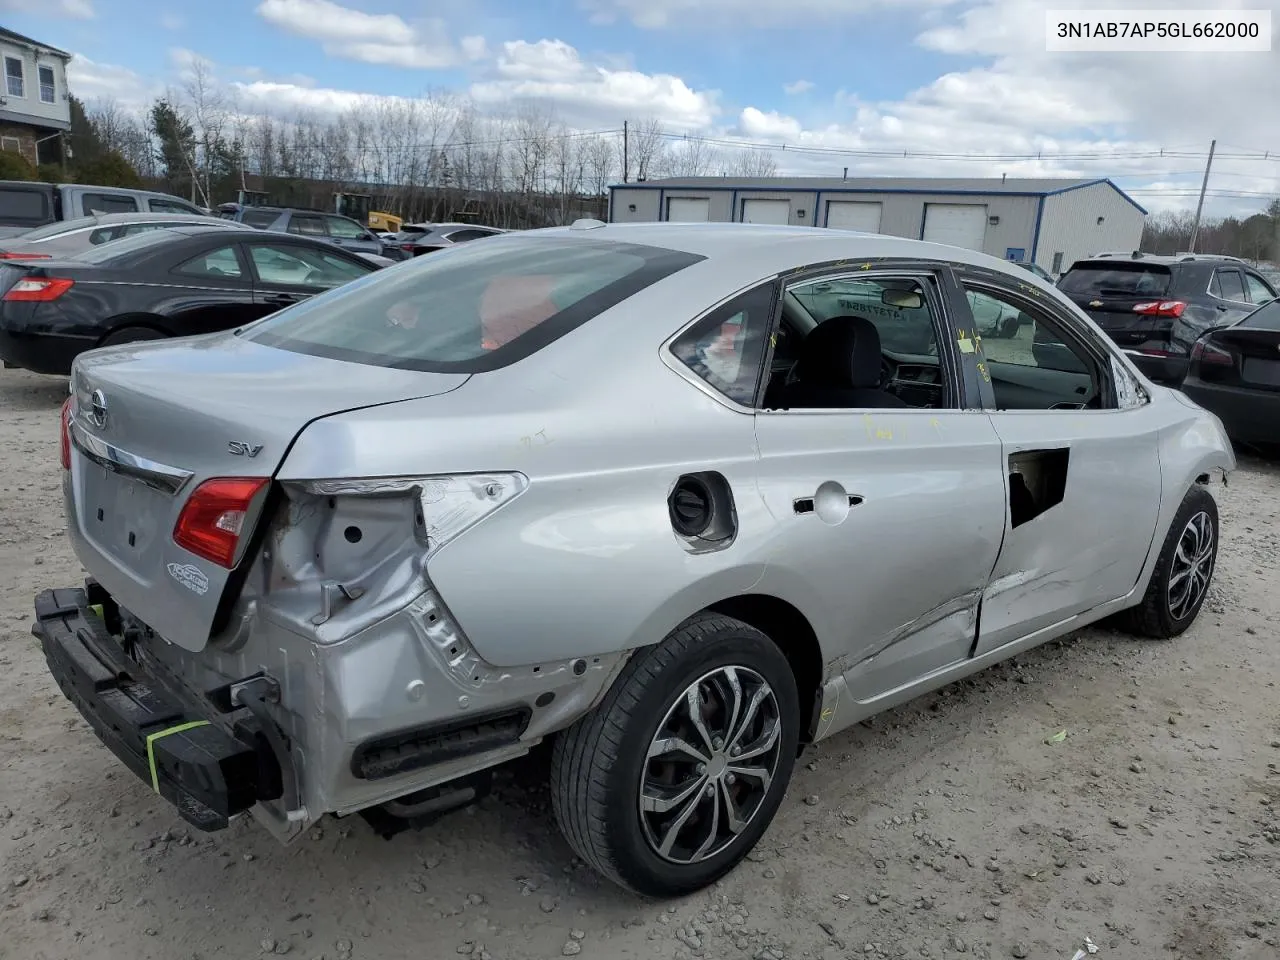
(1009, 327)
(1166, 611)
(131, 335)
(601, 766)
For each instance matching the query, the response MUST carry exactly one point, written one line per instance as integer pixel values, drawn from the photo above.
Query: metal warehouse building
(1051, 222)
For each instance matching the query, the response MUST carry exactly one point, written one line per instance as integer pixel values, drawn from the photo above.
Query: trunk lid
(1256, 353)
(153, 421)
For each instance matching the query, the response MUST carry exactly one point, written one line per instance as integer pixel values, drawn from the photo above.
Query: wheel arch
(790, 630)
(125, 321)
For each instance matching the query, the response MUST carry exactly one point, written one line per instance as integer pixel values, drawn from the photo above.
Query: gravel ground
(951, 827)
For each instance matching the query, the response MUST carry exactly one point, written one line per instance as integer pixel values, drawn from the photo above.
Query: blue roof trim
(700, 188)
(1093, 183)
(1035, 237)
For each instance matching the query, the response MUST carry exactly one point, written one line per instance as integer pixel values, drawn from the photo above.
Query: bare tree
(601, 160)
(755, 163)
(207, 105)
(648, 146)
(692, 157)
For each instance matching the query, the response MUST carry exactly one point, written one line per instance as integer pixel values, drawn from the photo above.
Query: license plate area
(1264, 373)
(120, 515)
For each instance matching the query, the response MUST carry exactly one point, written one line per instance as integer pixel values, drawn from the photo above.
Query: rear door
(212, 290)
(349, 235)
(285, 272)
(1081, 469)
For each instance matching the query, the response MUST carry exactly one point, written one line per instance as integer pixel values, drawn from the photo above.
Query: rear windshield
(19, 206)
(260, 218)
(1116, 280)
(1266, 317)
(61, 227)
(471, 308)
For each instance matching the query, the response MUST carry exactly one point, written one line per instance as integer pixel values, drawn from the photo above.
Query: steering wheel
(888, 370)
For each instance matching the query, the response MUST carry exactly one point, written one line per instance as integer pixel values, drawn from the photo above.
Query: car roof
(1134, 256)
(776, 247)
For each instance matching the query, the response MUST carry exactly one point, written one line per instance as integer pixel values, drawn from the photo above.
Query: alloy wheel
(1192, 566)
(710, 765)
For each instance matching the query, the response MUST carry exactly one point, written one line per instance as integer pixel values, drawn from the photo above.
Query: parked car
(338, 230)
(355, 555)
(416, 239)
(27, 204)
(1235, 372)
(1156, 307)
(164, 283)
(70, 237)
(1034, 268)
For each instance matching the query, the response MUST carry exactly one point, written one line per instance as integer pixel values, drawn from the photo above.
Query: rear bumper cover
(41, 352)
(207, 773)
(1250, 416)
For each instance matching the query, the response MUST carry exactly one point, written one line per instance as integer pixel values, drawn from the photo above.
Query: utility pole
(626, 158)
(1195, 227)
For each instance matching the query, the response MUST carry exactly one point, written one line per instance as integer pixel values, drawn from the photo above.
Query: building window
(11, 144)
(15, 81)
(48, 89)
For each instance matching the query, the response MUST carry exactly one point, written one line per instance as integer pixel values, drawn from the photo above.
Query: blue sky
(925, 77)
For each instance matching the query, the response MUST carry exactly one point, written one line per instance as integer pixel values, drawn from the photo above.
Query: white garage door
(854, 215)
(957, 224)
(766, 211)
(688, 209)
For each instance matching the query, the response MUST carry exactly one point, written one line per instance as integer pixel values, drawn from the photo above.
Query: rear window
(19, 206)
(260, 218)
(1132, 279)
(123, 247)
(1266, 317)
(471, 308)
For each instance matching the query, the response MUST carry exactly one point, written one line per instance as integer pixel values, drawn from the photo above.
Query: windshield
(1116, 279)
(472, 307)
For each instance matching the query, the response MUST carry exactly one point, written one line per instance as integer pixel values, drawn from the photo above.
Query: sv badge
(239, 448)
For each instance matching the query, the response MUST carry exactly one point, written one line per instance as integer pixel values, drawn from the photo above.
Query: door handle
(805, 505)
(282, 298)
(1222, 309)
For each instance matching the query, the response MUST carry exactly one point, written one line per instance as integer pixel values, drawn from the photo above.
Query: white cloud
(800, 14)
(70, 9)
(381, 38)
(552, 73)
(171, 21)
(797, 87)
(91, 81)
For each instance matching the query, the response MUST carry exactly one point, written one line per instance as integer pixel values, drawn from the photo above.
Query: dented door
(888, 523)
(1083, 488)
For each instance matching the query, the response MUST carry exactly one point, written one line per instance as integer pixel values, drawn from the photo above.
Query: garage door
(688, 209)
(957, 224)
(854, 215)
(766, 211)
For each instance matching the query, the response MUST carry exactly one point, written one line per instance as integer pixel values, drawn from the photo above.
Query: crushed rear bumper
(189, 757)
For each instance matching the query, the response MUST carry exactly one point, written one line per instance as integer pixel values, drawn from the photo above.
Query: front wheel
(671, 781)
(1183, 571)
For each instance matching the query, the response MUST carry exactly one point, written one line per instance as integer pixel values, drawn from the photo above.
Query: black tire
(131, 335)
(1160, 615)
(598, 763)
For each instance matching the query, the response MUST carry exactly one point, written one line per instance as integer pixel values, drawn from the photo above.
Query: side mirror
(902, 299)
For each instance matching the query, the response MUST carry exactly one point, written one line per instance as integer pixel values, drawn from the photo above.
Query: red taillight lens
(18, 255)
(1161, 308)
(39, 289)
(65, 437)
(1207, 353)
(213, 518)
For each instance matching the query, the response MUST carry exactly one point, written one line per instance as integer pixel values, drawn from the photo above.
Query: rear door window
(462, 236)
(158, 205)
(1127, 279)
(93, 203)
(307, 226)
(259, 218)
(219, 264)
(20, 205)
(285, 264)
(473, 307)
(1228, 284)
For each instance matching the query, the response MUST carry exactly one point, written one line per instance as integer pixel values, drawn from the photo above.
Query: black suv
(1155, 307)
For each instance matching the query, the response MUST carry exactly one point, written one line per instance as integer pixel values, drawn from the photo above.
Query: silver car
(67, 238)
(614, 487)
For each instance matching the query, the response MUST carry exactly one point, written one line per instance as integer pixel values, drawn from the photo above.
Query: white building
(1049, 222)
(35, 106)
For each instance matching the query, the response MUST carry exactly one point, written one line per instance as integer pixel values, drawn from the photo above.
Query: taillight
(65, 434)
(39, 289)
(18, 255)
(214, 515)
(1207, 353)
(1161, 308)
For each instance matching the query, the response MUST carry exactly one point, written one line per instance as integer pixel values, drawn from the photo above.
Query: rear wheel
(672, 780)
(131, 335)
(1183, 571)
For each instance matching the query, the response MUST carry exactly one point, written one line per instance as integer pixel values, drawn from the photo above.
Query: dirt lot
(948, 828)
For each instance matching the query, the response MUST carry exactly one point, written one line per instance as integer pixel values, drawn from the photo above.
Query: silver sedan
(680, 499)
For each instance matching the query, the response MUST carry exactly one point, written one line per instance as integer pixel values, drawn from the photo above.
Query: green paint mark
(151, 752)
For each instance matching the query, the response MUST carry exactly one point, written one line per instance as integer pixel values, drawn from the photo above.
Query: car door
(1230, 295)
(288, 272)
(1079, 459)
(346, 233)
(888, 518)
(212, 290)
